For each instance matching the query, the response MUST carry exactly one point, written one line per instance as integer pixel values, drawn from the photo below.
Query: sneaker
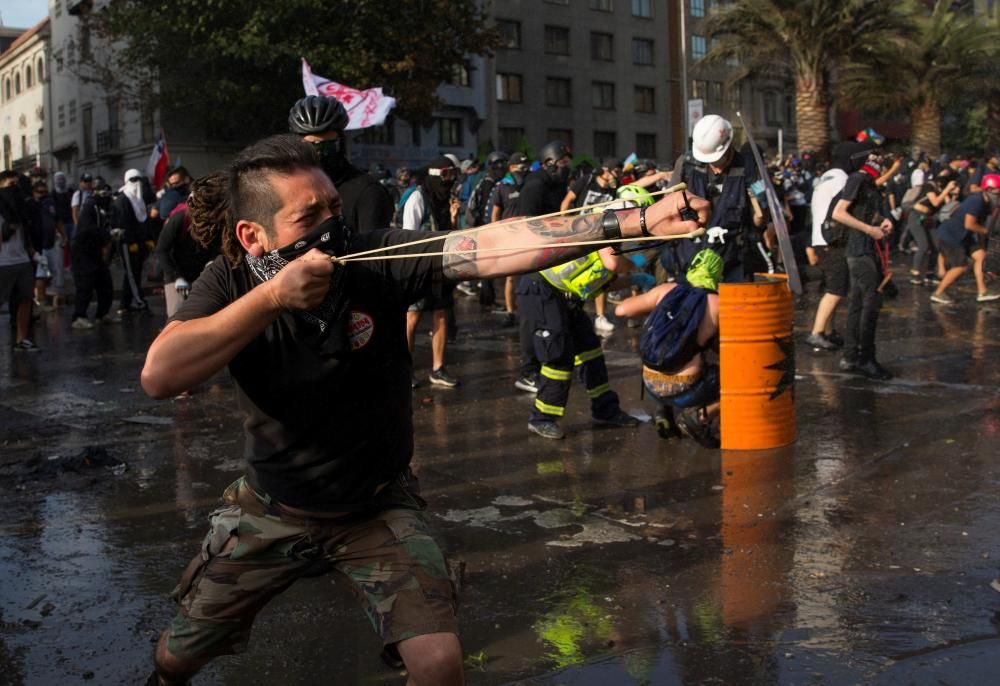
(941, 299)
(110, 319)
(620, 419)
(987, 297)
(873, 370)
(26, 345)
(441, 377)
(665, 424)
(846, 365)
(917, 280)
(549, 430)
(835, 338)
(466, 288)
(509, 320)
(602, 325)
(819, 342)
(528, 384)
(82, 324)
(616, 297)
(692, 427)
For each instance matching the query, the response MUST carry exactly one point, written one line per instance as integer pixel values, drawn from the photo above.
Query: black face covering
(560, 174)
(330, 237)
(440, 191)
(333, 160)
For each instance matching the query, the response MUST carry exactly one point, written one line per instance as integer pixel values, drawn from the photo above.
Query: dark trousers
(526, 335)
(564, 338)
(86, 285)
(132, 279)
(863, 304)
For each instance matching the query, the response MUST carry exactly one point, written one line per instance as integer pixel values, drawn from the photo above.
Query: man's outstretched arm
(537, 244)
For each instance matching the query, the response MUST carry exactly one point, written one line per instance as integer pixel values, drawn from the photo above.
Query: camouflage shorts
(254, 550)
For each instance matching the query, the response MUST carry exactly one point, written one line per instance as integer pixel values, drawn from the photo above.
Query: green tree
(946, 54)
(804, 39)
(233, 65)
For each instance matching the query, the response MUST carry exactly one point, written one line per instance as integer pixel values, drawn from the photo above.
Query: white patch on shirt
(360, 329)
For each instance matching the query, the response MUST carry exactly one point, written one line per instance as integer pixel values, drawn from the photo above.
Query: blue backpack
(670, 338)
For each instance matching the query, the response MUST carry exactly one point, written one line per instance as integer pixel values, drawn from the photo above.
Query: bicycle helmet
(315, 114)
(553, 152)
(496, 159)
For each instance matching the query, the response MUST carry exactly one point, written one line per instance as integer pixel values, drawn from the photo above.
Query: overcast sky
(23, 13)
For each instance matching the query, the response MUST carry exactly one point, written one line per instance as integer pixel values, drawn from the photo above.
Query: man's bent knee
(433, 659)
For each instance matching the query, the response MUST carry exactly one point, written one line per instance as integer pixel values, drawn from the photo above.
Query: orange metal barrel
(757, 364)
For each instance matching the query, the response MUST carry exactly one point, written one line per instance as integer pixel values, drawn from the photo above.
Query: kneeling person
(684, 324)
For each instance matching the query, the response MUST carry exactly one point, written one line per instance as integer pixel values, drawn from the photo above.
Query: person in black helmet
(321, 120)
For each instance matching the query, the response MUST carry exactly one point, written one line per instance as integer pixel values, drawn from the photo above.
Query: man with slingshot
(307, 318)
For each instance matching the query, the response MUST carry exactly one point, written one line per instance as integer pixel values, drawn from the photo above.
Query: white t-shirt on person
(831, 183)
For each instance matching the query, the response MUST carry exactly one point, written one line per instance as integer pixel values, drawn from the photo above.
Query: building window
(556, 40)
(602, 5)
(17, 83)
(58, 9)
(72, 112)
(147, 124)
(698, 47)
(415, 130)
(39, 72)
(772, 113)
(564, 135)
(88, 130)
(645, 145)
(460, 76)
(699, 89)
(558, 92)
(697, 8)
(511, 137)
(604, 95)
(734, 97)
(715, 93)
(642, 51)
(790, 108)
(380, 135)
(510, 34)
(62, 116)
(645, 99)
(604, 144)
(450, 132)
(27, 78)
(642, 8)
(6, 89)
(509, 87)
(602, 46)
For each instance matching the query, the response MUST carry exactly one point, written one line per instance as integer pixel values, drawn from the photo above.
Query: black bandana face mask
(330, 237)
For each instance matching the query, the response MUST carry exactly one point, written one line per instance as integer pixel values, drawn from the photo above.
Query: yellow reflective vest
(584, 277)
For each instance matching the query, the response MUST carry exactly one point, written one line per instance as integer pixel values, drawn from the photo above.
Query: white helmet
(711, 138)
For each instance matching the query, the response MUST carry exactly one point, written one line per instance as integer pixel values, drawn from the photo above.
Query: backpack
(397, 215)
(946, 210)
(834, 233)
(670, 338)
(910, 197)
(474, 209)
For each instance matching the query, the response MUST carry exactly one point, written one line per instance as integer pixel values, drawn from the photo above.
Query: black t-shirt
(589, 192)
(366, 202)
(507, 197)
(328, 415)
(541, 194)
(865, 203)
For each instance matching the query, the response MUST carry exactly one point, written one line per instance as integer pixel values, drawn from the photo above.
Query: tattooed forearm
(460, 266)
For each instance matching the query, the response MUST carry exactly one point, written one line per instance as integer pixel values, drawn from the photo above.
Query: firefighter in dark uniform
(551, 304)
(719, 173)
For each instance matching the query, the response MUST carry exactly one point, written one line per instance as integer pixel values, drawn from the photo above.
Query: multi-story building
(23, 87)
(593, 73)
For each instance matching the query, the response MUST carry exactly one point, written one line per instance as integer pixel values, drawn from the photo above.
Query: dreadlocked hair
(211, 223)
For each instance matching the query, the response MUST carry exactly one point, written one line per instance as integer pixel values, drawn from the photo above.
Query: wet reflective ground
(863, 554)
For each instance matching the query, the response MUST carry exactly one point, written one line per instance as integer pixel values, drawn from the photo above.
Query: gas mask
(332, 158)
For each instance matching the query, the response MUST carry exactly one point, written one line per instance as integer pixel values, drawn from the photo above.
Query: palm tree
(945, 54)
(805, 39)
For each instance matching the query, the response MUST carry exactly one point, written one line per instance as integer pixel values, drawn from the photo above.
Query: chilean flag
(156, 167)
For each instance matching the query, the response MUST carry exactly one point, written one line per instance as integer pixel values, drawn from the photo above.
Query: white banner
(696, 109)
(364, 108)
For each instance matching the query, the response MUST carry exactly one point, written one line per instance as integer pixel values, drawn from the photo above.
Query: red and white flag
(156, 166)
(364, 108)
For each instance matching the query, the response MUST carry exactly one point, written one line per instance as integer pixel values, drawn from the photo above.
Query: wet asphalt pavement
(862, 554)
